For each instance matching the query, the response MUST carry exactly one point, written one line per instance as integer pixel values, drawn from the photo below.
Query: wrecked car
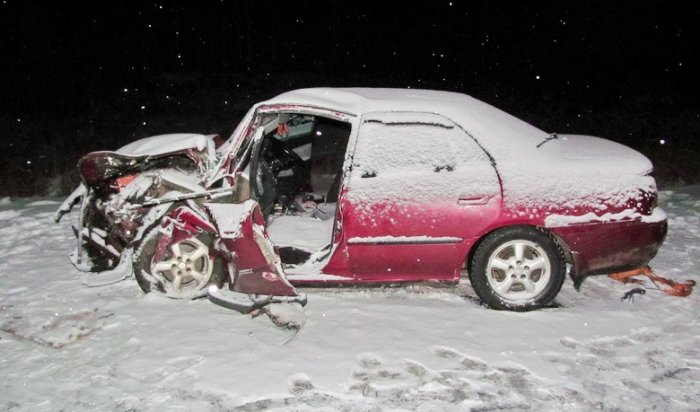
(368, 186)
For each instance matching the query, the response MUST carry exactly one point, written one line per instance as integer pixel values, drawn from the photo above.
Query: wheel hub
(186, 266)
(518, 270)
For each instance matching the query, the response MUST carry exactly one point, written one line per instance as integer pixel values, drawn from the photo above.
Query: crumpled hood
(136, 157)
(168, 143)
(589, 153)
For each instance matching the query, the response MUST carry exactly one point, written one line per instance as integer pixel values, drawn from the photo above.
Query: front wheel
(182, 269)
(518, 268)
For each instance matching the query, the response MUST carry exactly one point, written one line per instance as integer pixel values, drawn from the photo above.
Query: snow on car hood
(168, 143)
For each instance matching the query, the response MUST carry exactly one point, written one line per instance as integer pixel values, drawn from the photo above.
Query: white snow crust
(64, 346)
(302, 232)
(416, 158)
(556, 220)
(229, 217)
(167, 143)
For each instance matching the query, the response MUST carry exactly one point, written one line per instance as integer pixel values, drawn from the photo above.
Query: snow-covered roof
(360, 100)
(485, 122)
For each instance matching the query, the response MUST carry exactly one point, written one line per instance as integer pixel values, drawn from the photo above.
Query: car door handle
(473, 200)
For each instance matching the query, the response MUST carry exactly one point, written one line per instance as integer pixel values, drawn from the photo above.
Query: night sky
(80, 76)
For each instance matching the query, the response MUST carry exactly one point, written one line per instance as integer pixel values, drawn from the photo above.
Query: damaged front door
(254, 266)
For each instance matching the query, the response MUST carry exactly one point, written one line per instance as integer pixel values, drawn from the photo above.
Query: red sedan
(342, 186)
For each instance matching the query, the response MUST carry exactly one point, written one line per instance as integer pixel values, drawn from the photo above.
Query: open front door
(255, 266)
(296, 168)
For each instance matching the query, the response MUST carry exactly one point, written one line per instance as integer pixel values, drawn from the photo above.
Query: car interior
(299, 169)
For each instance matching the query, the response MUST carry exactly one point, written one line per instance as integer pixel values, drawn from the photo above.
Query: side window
(400, 154)
(412, 142)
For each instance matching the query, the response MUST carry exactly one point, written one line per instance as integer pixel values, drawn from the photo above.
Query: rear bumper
(599, 248)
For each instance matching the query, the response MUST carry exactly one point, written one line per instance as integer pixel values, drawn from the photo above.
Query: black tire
(210, 270)
(518, 268)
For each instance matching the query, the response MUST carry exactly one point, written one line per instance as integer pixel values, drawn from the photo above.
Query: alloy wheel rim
(185, 267)
(518, 270)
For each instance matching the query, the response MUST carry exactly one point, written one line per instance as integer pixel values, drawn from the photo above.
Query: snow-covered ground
(64, 346)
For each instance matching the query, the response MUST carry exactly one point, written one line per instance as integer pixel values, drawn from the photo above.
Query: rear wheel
(518, 268)
(182, 269)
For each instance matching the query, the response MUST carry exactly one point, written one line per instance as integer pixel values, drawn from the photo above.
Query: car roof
(362, 100)
(495, 129)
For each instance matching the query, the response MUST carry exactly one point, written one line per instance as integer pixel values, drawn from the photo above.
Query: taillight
(121, 182)
(647, 202)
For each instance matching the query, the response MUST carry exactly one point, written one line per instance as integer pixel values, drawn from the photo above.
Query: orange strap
(671, 287)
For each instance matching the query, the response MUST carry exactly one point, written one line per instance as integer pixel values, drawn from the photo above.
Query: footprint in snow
(646, 334)
(300, 384)
(613, 341)
(368, 360)
(183, 362)
(370, 369)
(474, 364)
(568, 342)
(175, 369)
(444, 352)
(416, 369)
(366, 389)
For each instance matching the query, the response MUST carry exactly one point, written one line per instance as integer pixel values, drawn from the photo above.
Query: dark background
(80, 76)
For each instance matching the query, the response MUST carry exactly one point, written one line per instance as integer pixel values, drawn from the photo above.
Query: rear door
(418, 191)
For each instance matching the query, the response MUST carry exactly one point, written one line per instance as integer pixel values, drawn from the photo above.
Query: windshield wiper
(552, 136)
